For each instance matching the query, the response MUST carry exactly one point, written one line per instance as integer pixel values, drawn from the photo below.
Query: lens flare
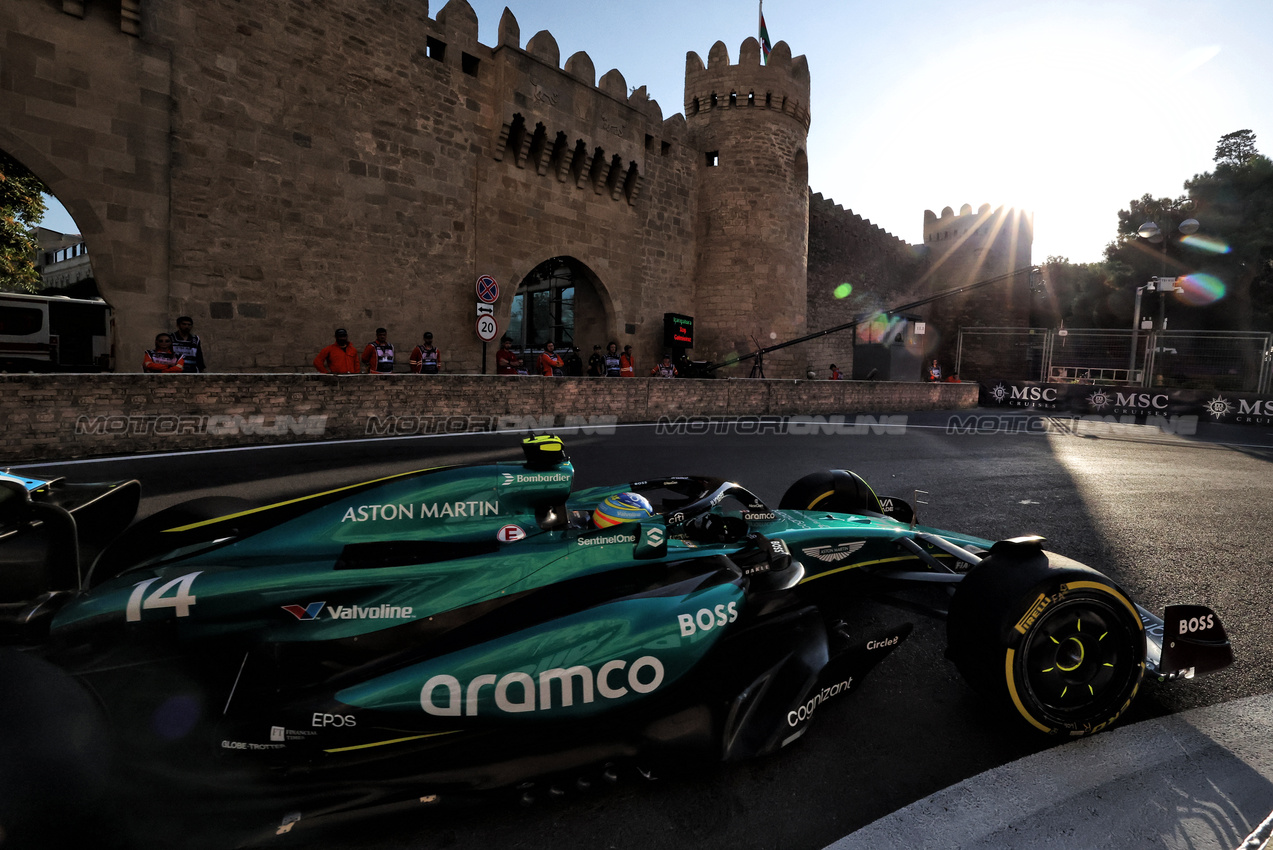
(1206, 243)
(1200, 289)
(843, 290)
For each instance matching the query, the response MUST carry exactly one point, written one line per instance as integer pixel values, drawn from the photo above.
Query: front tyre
(1058, 643)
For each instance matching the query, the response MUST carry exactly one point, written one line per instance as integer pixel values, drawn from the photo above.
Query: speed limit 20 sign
(487, 328)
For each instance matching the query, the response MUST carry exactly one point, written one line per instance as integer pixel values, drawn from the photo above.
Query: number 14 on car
(181, 600)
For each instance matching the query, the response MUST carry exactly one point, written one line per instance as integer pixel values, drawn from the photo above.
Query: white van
(52, 333)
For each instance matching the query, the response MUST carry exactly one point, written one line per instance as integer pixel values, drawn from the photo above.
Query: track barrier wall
(1129, 403)
(54, 417)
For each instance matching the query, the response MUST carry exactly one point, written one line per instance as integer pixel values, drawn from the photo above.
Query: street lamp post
(1151, 231)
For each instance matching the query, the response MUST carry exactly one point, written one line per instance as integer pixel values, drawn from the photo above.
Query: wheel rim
(1079, 658)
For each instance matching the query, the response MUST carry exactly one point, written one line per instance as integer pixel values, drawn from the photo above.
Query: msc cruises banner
(1129, 404)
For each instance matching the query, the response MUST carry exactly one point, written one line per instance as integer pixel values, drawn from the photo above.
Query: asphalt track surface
(1171, 518)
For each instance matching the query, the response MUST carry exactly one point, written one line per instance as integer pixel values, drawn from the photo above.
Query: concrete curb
(1198, 780)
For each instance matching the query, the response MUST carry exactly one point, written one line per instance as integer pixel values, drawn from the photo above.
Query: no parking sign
(487, 289)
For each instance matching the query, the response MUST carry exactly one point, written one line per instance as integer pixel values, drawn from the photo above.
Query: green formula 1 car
(468, 628)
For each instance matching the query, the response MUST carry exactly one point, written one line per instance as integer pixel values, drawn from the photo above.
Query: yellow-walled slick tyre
(1058, 643)
(836, 490)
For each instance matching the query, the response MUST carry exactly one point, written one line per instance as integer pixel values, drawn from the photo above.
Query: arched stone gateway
(561, 301)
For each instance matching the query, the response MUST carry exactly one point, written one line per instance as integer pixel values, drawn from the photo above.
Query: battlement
(985, 223)
(563, 122)
(818, 205)
(781, 85)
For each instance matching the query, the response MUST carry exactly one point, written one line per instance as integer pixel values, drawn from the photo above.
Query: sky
(1065, 109)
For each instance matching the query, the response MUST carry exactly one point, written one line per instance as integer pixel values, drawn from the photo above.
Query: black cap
(341, 332)
(596, 348)
(428, 335)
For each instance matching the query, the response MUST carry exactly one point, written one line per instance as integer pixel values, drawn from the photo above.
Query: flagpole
(764, 35)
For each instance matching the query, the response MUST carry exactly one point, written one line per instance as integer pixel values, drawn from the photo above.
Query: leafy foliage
(1236, 202)
(21, 207)
(1236, 149)
(1234, 244)
(1234, 205)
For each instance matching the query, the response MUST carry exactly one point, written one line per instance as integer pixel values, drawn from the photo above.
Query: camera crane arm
(760, 352)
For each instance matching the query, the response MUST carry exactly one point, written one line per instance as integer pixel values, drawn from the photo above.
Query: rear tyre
(55, 758)
(836, 490)
(1057, 644)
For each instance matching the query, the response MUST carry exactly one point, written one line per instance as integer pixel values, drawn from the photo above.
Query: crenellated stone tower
(749, 124)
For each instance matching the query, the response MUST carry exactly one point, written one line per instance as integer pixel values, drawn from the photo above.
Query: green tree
(1234, 244)
(21, 207)
(1236, 148)
(1235, 204)
(1082, 295)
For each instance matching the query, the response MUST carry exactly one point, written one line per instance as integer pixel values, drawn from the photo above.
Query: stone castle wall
(881, 271)
(362, 165)
(276, 170)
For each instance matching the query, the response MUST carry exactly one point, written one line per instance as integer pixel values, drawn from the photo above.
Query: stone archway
(106, 157)
(563, 301)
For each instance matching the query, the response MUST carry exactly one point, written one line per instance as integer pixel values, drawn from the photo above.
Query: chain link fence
(1217, 360)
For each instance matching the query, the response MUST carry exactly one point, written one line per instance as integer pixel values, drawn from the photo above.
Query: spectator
(934, 371)
(574, 363)
(425, 359)
(596, 363)
(378, 355)
(188, 345)
(627, 367)
(954, 378)
(162, 358)
(339, 358)
(506, 360)
(664, 369)
(550, 363)
(612, 362)
(836, 374)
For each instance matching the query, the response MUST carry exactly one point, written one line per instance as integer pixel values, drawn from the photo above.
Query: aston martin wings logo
(836, 552)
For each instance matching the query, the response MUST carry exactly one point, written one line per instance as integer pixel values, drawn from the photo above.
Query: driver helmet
(622, 507)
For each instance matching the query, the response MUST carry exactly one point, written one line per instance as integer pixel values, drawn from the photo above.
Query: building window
(435, 49)
(20, 321)
(713, 159)
(468, 64)
(544, 306)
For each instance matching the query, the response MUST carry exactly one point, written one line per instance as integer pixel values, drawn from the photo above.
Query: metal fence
(1219, 360)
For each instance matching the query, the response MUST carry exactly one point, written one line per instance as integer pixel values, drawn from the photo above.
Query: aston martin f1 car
(460, 629)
